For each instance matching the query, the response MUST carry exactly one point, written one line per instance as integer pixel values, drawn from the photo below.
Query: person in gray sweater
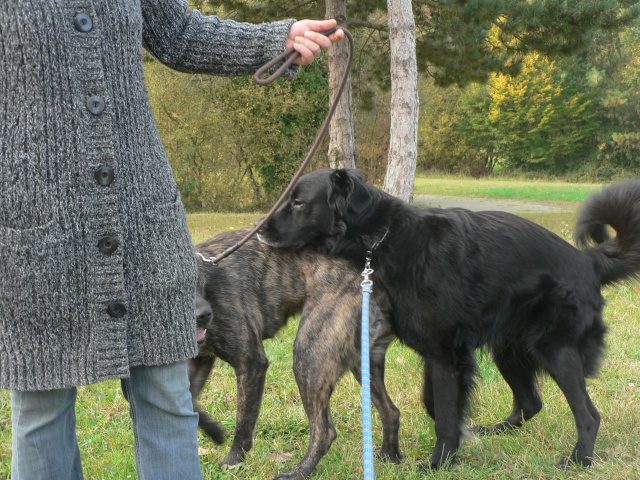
(97, 267)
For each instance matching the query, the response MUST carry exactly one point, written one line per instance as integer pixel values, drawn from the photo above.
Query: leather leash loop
(290, 54)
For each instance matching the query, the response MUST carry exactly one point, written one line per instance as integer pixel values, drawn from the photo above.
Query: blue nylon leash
(365, 362)
(367, 433)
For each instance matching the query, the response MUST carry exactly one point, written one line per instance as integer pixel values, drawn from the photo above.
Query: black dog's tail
(616, 206)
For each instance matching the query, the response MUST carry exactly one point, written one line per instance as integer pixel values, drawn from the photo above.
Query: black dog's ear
(340, 186)
(360, 198)
(349, 192)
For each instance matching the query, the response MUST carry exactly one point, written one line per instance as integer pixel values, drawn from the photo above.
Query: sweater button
(104, 175)
(116, 310)
(95, 104)
(108, 244)
(83, 22)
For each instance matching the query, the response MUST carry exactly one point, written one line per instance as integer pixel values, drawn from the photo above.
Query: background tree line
(553, 93)
(577, 116)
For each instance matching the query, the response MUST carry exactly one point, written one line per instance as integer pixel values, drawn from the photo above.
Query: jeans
(45, 445)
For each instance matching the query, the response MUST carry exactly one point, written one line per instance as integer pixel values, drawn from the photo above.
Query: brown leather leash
(292, 55)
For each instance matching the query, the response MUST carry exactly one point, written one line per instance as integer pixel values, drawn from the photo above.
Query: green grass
(106, 441)
(504, 188)
(204, 225)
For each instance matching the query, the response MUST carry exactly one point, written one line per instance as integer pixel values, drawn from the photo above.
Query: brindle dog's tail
(616, 206)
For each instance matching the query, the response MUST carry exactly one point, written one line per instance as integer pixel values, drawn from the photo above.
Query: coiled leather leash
(290, 55)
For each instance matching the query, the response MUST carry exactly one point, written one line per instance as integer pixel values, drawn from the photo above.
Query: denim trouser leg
(165, 426)
(45, 445)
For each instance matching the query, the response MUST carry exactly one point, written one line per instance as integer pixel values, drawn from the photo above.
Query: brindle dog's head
(319, 210)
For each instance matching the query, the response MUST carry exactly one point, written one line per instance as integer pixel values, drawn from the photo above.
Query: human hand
(306, 38)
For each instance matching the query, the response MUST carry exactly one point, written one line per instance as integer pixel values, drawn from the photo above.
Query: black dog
(459, 280)
(248, 298)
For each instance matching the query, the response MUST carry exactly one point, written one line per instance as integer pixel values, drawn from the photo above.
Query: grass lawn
(505, 188)
(106, 440)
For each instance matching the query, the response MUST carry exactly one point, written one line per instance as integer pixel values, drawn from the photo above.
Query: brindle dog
(248, 298)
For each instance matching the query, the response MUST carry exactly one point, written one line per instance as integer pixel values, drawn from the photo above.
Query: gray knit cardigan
(97, 268)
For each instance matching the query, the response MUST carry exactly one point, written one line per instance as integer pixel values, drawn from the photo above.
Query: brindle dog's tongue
(201, 332)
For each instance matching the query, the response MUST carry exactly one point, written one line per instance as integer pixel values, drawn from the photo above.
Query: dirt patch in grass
(475, 203)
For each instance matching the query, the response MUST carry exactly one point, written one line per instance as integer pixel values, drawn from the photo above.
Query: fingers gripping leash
(289, 56)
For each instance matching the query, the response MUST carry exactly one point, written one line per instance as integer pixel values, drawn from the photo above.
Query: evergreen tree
(615, 72)
(545, 119)
(454, 39)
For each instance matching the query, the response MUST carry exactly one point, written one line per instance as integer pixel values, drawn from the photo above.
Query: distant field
(204, 225)
(504, 188)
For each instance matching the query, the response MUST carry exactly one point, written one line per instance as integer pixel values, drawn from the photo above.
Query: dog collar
(377, 243)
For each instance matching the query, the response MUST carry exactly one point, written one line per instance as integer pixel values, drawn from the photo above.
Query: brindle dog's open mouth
(201, 332)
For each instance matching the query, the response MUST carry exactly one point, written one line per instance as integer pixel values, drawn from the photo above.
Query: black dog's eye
(296, 203)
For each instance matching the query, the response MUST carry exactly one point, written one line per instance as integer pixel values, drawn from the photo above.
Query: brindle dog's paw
(213, 429)
(391, 457)
(292, 475)
(233, 458)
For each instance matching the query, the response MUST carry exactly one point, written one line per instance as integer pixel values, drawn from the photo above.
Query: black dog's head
(320, 209)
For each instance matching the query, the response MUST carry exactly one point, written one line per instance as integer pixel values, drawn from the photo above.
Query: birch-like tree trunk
(404, 107)
(342, 146)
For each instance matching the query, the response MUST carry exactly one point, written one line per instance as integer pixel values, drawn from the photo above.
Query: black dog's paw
(213, 429)
(566, 463)
(482, 430)
(428, 467)
(495, 429)
(438, 461)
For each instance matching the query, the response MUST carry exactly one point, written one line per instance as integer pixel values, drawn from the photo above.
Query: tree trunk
(404, 107)
(342, 147)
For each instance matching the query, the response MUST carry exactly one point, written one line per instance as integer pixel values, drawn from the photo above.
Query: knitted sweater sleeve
(188, 41)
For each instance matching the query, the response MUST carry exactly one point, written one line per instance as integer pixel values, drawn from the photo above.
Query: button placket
(105, 269)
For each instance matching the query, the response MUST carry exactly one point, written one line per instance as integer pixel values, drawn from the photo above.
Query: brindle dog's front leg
(316, 373)
(250, 377)
(199, 371)
(389, 413)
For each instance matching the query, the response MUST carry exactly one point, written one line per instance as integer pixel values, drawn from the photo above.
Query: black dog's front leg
(427, 391)
(446, 401)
